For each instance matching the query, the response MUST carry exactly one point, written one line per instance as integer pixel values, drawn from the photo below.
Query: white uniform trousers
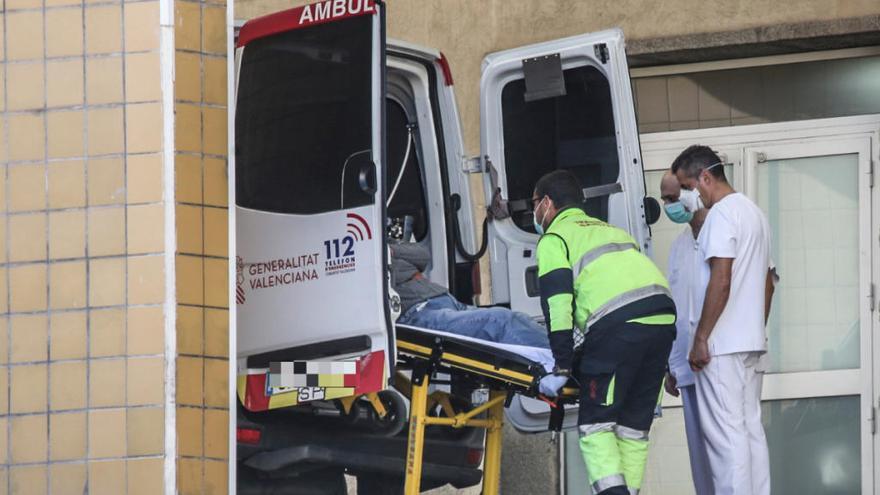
(700, 471)
(729, 398)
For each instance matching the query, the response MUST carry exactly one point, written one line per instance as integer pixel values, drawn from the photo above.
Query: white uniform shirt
(736, 228)
(688, 288)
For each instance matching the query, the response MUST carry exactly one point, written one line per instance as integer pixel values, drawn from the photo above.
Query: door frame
(741, 144)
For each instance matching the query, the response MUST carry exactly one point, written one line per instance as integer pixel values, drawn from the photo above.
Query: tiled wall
(201, 210)
(82, 233)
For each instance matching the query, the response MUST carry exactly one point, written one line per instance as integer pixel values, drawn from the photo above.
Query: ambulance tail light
(474, 457)
(249, 436)
(444, 66)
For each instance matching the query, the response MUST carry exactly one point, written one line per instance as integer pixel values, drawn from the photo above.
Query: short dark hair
(561, 186)
(695, 158)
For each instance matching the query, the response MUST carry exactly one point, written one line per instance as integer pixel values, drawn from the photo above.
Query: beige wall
(202, 258)
(466, 30)
(82, 233)
(84, 304)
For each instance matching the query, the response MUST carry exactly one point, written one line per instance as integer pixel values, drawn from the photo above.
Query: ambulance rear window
(574, 132)
(303, 119)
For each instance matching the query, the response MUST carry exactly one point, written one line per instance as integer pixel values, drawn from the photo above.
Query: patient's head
(554, 192)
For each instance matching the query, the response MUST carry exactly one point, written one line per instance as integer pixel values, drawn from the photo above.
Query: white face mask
(690, 199)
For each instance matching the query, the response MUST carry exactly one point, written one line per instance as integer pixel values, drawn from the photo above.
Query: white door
(309, 180)
(563, 104)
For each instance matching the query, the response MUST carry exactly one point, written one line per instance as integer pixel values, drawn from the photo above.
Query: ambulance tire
(395, 420)
(373, 484)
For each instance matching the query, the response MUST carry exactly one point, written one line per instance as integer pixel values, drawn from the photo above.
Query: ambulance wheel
(395, 417)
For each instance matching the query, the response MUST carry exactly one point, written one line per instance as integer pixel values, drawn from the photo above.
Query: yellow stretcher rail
(503, 378)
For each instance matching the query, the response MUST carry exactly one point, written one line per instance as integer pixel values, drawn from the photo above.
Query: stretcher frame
(502, 373)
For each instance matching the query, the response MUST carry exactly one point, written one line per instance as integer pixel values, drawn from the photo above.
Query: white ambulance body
(326, 116)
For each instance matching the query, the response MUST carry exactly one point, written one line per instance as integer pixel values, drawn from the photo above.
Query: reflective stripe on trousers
(614, 455)
(595, 428)
(601, 455)
(630, 433)
(608, 482)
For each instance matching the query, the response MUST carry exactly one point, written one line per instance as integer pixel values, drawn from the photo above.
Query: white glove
(550, 384)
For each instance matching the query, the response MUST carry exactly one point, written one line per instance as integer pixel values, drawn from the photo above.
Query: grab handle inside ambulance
(357, 180)
(367, 177)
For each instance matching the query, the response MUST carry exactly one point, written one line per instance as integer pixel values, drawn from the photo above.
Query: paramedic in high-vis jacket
(611, 321)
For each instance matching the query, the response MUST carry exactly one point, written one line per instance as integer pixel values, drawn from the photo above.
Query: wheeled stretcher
(503, 369)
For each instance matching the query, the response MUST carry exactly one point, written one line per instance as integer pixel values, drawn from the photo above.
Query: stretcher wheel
(395, 417)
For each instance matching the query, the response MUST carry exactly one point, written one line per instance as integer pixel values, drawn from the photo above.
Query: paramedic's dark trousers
(621, 370)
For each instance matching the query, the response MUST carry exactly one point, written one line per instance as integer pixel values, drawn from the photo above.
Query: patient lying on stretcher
(429, 305)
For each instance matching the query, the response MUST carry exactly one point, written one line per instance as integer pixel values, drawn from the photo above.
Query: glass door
(817, 400)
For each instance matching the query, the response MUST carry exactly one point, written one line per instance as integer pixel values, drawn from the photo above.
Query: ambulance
(344, 141)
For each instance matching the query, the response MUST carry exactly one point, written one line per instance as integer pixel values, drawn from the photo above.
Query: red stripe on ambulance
(300, 17)
(371, 372)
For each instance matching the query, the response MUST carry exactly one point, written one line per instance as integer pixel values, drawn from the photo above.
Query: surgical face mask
(690, 198)
(539, 226)
(677, 212)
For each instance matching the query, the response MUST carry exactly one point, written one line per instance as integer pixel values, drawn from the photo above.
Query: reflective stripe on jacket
(588, 269)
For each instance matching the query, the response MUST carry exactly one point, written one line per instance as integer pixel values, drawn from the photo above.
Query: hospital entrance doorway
(814, 180)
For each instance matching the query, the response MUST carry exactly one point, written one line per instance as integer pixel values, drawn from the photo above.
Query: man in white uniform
(730, 337)
(687, 287)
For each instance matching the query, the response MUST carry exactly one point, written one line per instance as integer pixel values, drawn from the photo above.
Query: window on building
(757, 95)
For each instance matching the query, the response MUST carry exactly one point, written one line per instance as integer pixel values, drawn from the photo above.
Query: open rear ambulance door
(309, 209)
(564, 104)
